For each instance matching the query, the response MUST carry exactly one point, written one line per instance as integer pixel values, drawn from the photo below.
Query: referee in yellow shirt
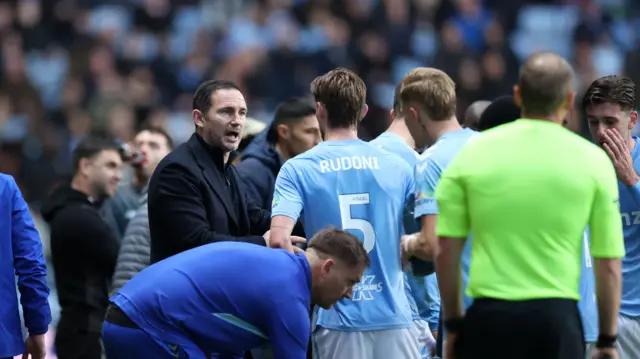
(526, 191)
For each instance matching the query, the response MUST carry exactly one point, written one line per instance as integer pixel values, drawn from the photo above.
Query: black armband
(606, 341)
(453, 325)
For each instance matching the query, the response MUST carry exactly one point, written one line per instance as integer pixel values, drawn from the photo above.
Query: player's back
(362, 189)
(526, 203)
(212, 293)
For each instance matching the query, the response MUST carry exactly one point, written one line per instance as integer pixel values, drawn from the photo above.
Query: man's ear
(83, 166)
(365, 109)
(198, 118)
(392, 114)
(633, 119)
(569, 100)
(327, 266)
(283, 131)
(516, 96)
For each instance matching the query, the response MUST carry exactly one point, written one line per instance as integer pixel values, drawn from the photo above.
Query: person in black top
(195, 195)
(83, 248)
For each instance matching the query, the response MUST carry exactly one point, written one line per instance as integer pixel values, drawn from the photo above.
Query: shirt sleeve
(453, 219)
(30, 267)
(289, 329)
(605, 226)
(287, 197)
(426, 175)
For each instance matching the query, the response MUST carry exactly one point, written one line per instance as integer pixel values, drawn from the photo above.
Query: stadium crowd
(74, 70)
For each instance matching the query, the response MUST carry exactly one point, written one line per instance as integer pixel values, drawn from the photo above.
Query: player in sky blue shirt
(427, 174)
(611, 109)
(353, 185)
(222, 299)
(415, 287)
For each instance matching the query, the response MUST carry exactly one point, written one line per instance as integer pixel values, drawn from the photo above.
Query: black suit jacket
(190, 203)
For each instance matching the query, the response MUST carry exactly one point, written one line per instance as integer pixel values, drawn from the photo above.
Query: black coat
(192, 203)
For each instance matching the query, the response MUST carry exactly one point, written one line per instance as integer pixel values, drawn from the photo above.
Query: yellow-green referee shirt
(526, 191)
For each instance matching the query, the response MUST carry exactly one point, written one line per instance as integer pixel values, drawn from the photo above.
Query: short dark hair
(202, 96)
(544, 82)
(158, 131)
(289, 111)
(343, 94)
(502, 110)
(91, 147)
(397, 108)
(614, 89)
(342, 245)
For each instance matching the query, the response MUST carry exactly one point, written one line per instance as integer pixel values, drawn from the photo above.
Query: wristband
(453, 325)
(406, 243)
(606, 341)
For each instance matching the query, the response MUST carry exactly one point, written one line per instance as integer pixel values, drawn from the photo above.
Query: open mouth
(233, 134)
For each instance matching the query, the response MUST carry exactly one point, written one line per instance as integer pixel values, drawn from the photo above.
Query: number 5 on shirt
(364, 226)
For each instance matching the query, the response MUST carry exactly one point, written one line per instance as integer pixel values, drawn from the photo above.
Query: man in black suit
(195, 195)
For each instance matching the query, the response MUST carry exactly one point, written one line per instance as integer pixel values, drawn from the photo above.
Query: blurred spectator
(293, 131)
(150, 145)
(70, 68)
(83, 247)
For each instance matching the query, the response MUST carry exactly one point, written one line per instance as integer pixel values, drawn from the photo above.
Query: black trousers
(77, 344)
(532, 329)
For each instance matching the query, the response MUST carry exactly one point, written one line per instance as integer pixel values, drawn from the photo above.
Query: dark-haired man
(195, 195)
(220, 308)
(610, 105)
(83, 247)
(293, 131)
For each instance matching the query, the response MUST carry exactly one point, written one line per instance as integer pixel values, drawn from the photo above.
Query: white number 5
(348, 200)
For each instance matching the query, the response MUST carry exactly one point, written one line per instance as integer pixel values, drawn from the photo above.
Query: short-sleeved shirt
(355, 186)
(527, 190)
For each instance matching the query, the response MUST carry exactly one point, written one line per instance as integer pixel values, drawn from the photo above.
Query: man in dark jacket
(195, 195)
(83, 247)
(294, 130)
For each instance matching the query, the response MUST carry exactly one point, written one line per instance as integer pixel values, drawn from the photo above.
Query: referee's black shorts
(532, 329)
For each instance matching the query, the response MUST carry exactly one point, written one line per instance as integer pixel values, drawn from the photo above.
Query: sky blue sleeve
(290, 328)
(635, 192)
(427, 175)
(287, 198)
(433, 299)
(30, 266)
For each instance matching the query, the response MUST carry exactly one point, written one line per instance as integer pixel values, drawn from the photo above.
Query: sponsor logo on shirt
(366, 289)
(275, 201)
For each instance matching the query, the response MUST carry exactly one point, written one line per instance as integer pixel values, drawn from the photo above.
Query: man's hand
(267, 237)
(620, 155)
(605, 353)
(35, 348)
(288, 245)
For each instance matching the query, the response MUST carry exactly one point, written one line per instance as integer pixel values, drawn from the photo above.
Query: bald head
(473, 113)
(545, 84)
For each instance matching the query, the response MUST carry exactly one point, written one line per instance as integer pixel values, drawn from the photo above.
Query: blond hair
(432, 90)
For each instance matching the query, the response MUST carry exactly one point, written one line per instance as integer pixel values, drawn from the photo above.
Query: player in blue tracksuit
(220, 300)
